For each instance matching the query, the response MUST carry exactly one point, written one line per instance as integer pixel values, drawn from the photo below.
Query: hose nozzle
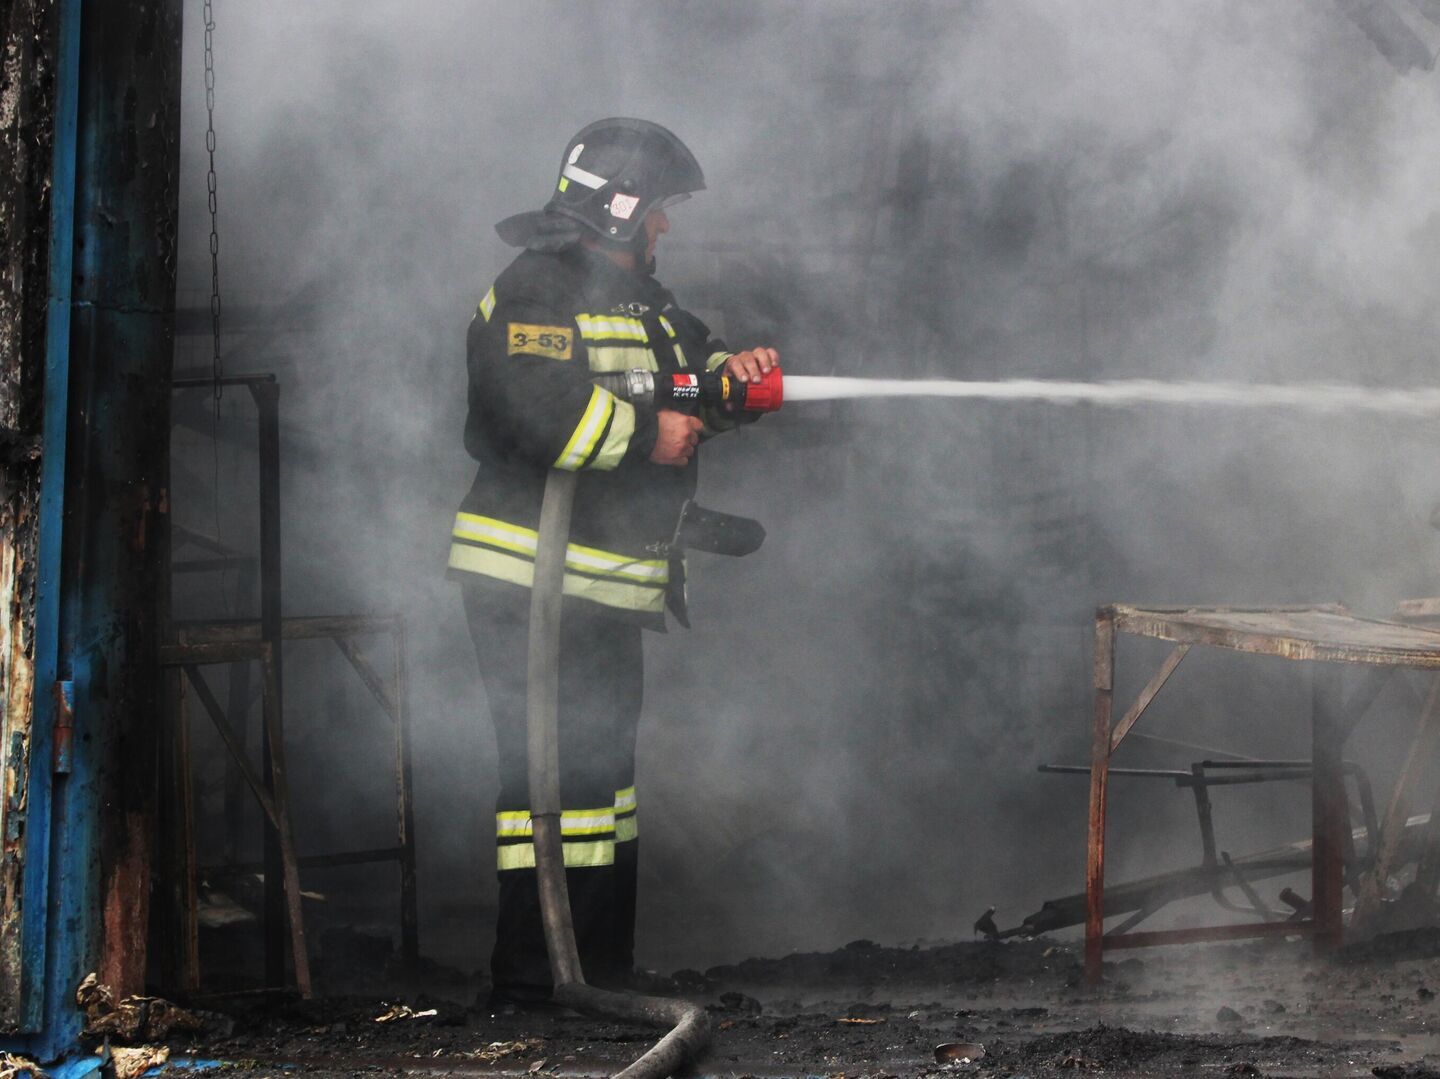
(685, 392)
(767, 395)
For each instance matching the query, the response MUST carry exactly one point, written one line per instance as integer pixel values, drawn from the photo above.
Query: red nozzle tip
(766, 395)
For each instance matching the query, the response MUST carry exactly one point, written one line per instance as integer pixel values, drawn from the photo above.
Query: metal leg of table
(1387, 847)
(175, 869)
(267, 402)
(280, 794)
(184, 781)
(238, 710)
(1328, 807)
(409, 907)
(1099, 780)
(393, 699)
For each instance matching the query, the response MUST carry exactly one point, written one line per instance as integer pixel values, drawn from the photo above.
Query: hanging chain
(216, 368)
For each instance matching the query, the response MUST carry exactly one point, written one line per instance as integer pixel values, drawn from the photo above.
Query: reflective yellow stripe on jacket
(615, 343)
(601, 437)
(505, 551)
(620, 343)
(610, 328)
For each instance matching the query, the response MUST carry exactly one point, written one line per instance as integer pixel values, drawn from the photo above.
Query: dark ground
(1244, 1009)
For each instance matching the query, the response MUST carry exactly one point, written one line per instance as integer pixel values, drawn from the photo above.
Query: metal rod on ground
(690, 1031)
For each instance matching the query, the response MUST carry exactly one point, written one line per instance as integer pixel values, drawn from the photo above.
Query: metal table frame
(1285, 632)
(200, 643)
(1216, 865)
(272, 792)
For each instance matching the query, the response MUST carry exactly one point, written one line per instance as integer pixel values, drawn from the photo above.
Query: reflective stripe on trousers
(588, 836)
(495, 548)
(626, 826)
(600, 697)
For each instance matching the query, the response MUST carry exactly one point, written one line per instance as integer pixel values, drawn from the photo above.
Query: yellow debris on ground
(12, 1067)
(131, 1063)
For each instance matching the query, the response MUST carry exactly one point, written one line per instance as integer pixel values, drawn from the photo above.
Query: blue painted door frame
(102, 516)
(61, 809)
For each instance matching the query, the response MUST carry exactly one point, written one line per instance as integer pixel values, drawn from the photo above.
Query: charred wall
(26, 130)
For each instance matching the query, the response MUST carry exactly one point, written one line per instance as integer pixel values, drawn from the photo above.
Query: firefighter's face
(656, 225)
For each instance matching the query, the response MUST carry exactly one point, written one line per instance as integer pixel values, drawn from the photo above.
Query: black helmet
(612, 174)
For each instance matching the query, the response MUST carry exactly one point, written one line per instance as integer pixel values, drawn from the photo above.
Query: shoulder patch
(555, 342)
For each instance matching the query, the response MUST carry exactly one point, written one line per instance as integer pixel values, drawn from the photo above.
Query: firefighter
(581, 299)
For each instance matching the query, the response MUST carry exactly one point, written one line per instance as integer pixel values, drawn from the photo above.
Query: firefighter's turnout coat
(553, 320)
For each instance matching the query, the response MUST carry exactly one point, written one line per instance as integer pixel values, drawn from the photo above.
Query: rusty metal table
(1327, 635)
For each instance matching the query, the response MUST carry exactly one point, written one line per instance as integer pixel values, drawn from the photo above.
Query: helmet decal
(622, 206)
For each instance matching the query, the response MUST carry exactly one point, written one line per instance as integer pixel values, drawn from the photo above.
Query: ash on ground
(1264, 1008)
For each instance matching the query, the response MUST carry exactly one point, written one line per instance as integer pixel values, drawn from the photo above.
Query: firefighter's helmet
(612, 174)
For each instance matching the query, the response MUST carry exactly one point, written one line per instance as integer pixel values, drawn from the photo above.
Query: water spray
(684, 391)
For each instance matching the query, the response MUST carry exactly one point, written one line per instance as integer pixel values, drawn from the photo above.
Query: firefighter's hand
(678, 437)
(752, 365)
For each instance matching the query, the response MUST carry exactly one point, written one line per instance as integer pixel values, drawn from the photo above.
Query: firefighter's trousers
(601, 688)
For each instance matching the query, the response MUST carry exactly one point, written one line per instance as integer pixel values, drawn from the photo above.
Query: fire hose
(690, 1026)
(690, 1031)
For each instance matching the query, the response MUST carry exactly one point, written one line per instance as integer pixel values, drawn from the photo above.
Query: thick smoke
(845, 745)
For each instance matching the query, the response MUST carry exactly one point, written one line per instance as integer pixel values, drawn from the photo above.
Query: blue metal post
(48, 664)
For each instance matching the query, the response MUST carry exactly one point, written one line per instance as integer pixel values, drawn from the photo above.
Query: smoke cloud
(846, 743)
